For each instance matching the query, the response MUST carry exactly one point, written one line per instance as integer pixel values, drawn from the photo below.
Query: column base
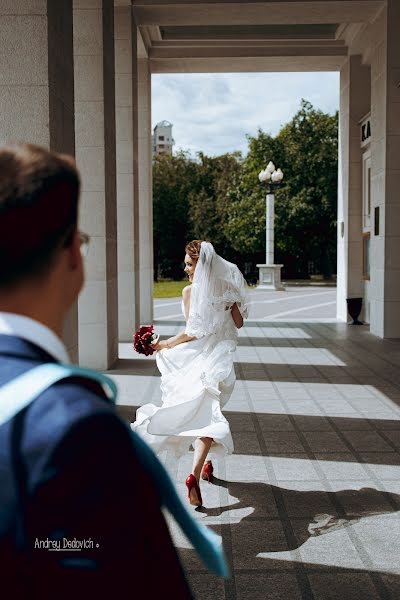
(270, 278)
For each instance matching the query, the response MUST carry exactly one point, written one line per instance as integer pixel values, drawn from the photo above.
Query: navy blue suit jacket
(68, 471)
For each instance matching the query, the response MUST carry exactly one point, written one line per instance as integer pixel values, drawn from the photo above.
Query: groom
(68, 470)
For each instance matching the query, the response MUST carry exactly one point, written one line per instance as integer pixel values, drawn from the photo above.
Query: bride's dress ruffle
(197, 379)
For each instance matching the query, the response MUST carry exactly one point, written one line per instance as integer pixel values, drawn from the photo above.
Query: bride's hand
(160, 346)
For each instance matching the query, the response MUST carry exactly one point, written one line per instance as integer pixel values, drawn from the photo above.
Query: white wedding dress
(197, 379)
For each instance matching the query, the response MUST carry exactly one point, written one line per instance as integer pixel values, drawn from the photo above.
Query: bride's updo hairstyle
(193, 249)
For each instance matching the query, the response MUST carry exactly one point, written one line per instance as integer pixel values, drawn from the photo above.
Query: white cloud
(213, 113)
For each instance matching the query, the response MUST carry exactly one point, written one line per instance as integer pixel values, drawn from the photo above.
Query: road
(296, 303)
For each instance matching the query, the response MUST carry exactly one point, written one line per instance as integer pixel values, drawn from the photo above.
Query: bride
(196, 366)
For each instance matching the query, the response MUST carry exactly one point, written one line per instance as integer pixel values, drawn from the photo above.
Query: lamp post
(270, 274)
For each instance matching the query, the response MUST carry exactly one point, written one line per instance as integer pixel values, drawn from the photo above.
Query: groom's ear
(74, 252)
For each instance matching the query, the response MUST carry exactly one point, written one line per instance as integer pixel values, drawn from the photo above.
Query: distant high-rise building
(162, 139)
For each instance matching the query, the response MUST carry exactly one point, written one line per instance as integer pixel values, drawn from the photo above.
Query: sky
(212, 113)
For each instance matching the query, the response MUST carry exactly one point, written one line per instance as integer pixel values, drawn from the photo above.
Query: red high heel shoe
(207, 472)
(194, 493)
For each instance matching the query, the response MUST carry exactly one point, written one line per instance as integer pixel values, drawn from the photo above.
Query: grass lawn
(169, 289)
(166, 288)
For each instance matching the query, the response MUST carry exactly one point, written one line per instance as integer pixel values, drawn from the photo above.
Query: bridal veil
(217, 285)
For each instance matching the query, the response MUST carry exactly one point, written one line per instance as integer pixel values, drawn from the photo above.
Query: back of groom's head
(39, 192)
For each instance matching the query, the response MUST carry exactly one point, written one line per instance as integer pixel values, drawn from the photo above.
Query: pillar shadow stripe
(373, 425)
(299, 569)
(340, 434)
(360, 351)
(353, 451)
(229, 584)
(376, 579)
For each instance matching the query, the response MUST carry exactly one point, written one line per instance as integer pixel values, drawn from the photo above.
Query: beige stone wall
(378, 167)
(143, 195)
(384, 56)
(62, 113)
(37, 87)
(145, 191)
(128, 259)
(392, 174)
(354, 104)
(379, 47)
(95, 154)
(24, 78)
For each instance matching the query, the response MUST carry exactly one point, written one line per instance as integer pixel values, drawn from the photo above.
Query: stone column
(95, 153)
(385, 172)
(143, 176)
(127, 202)
(269, 230)
(270, 274)
(37, 87)
(354, 104)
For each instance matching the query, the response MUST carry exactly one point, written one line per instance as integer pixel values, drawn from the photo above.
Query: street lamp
(270, 274)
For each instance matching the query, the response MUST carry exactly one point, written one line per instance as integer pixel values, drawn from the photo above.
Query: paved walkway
(308, 505)
(305, 303)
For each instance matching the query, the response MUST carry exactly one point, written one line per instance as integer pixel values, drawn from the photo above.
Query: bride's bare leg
(201, 449)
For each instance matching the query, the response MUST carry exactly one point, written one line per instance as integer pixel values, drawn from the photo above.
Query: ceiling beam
(246, 52)
(195, 2)
(273, 64)
(247, 43)
(256, 13)
(246, 39)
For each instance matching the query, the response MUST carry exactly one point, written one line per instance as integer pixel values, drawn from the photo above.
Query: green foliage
(310, 193)
(190, 201)
(173, 180)
(209, 201)
(169, 289)
(305, 207)
(220, 199)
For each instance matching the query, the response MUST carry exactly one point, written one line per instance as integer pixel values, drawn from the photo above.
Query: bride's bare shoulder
(186, 291)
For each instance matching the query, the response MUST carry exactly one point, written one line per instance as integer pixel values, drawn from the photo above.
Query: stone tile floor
(308, 506)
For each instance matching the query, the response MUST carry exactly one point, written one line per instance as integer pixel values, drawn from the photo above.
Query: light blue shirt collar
(35, 332)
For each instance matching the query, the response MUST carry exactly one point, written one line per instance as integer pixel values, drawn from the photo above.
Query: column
(127, 202)
(269, 273)
(385, 172)
(95, 154)
(270, 224)
(37, 87)
(143, 176)
(354, 104)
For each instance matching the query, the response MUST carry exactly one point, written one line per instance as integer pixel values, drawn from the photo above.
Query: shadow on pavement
(282, 521)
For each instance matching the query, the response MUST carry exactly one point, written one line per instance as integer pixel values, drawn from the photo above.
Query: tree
(245, 218)
(221, 200)
(173, 181)
(190, 201)
(305, 207)
(310, 142)
(209, 200)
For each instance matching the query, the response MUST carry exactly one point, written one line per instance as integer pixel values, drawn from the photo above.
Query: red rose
(142, 339)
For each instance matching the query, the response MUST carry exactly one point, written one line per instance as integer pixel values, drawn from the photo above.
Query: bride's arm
(182, 337)
(236, 316)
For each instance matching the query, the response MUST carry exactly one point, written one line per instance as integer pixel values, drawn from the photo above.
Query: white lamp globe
(264, 175)
(275, 176)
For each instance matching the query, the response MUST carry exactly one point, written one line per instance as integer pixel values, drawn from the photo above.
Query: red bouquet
(145, 339)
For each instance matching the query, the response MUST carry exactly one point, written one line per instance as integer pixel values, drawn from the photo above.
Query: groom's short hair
(39, 192)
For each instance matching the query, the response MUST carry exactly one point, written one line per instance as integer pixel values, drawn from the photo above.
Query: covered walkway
(308, 506)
